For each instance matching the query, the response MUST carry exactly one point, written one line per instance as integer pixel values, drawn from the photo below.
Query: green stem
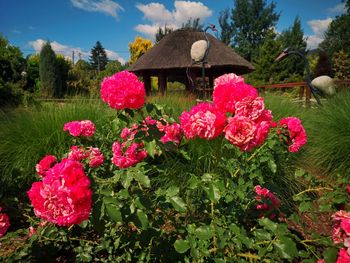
(313, 190)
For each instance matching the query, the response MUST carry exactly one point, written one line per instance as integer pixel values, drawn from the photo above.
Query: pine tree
(251, 21)
(226, 28)
(162, 33)
(98, 58)
(323, 66)
(193, 24)
(50, 78)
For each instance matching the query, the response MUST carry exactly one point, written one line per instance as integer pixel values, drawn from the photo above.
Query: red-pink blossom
(45, 164)
(341, 226)
(240, 131)
(4, 223)
(96, 158)
(268, 202)
(295, 133)
(343, 256)
(249, 107)
(84, 128)
(123, 90)
(172, 133)
(204, 120)
(77, 153)
(229, 90)
(130, 156)
(63, 196)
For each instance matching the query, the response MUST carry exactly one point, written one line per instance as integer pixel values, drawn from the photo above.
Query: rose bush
(149, 192)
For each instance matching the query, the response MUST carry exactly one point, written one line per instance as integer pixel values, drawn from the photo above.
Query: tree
(341, 62)
(193, 23)
(51, 83)
(64, 66)
(323, 66)
(251, 22)
(32, 69)
(337, 36)
(98, 58)
(162, 33)
(138, 48)
(226, 28)
(293, 38)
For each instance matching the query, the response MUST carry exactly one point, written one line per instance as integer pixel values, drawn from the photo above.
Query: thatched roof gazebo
(170, 58)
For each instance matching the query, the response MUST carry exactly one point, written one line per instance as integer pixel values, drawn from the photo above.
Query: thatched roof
(172, 53)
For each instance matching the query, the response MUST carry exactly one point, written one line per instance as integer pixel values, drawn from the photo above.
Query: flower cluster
(229, 89)
(63, 196)
(84, 128)
(123, 90)
(4, 223)
(124, 156)
(204, 120)
(93, 155)
(294, 133)
(341, 234)
(45, 164)
(267, 201)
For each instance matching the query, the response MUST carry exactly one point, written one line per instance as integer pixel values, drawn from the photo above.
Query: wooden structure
(170, 60)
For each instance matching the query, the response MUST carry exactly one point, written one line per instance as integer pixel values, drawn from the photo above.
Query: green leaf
(305, 206)
(181, 246)
(207, 177)
(150, 148)
(330, 254)
(142, 179)
(113, 212)
(286, 248)
(126, 179)
(193, 183)
(268, 224)
(178, 203)
(172, 191)
(143, 218)
(272, 166)
(214, 193)
(149, 107)
(203, 233)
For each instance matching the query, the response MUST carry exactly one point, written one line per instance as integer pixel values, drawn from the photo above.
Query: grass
(27, 135)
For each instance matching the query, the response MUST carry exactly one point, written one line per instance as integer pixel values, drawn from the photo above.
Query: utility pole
(73, 57)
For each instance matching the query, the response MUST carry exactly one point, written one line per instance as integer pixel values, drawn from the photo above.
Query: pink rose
(4, 223)
(84, 128)
(124, 158)
(45, 164)
(296, 135)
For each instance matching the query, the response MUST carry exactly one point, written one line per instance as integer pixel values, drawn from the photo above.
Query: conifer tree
(50, 78)
(98, 58)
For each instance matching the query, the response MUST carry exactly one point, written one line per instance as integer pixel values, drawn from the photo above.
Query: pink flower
(203, 120)
(134, 154)
(77, 154)
(249, 107)
(96, 158)
(296, 135)
(80, 128)
(267, 200)
(4, 223)
(172, 133)
(348, 189)
(229, 90)
(240, 131)
(343, 256)
(341, 226)
(45, 164)
(63, 197)
(123, 90)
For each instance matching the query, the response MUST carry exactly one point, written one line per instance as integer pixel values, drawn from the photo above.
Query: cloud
(337, 9)
(319, 27)
(159, 16)
(67, 50)
(108, 7)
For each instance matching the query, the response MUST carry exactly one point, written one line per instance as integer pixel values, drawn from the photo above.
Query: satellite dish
(198, 50)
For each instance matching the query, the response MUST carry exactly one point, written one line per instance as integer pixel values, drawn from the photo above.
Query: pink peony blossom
(203, 120)
(123, 90)
(4, 223)
(249, 107)
(77, 153)
(84, 128)
(267, 200)
(229, 90)
(172, 133)
(45, 164)
(343, 256)
(296, 135)
(240, 131)
(134, 154)
(341, 226)
(63, 196)
(96, 158)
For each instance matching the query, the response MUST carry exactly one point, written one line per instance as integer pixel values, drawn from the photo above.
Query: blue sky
(78, 24)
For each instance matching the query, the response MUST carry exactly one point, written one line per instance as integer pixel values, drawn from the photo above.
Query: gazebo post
(162, 82)
(147, 82)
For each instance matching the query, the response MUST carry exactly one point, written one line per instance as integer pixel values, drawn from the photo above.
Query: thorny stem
(313, 190)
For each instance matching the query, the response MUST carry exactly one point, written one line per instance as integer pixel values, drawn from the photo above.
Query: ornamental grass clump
(105, 199)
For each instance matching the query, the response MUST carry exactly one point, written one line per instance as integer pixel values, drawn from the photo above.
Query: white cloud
(108, 7)
(159, 16)
(337, 9)
(319, 27)
(67, 51)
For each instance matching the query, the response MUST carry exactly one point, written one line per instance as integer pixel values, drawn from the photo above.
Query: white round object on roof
(198, 50)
